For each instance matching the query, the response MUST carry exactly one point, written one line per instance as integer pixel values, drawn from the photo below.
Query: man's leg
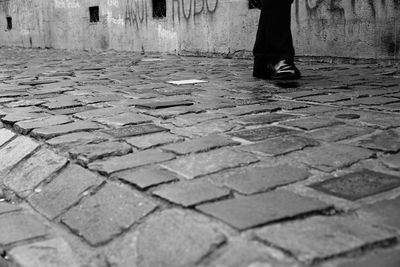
(274, 39)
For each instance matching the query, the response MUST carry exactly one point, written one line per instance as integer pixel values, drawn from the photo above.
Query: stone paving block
(375, 100)
(280, 145)
(191, 119)
(15, 151)
(197, 165)
(61, 103)
(312, 110)
(383, 258)
(164, 104)
(23, 178)
(78, 137)
(5, 136)
(253, 211)
(136, 130)
(146, 177)
(26, 126)
(71, 111)
(37, 82)
(326, 98)
(258, 179)
(182, 240)
(323, 237)
(387, 211)
(16, 117)
(49, 253)
(63, 191)
(25, 103)
(357, 185)
(56, 130)
(268, 118)
(16, 227)
(330, 157)
(190, 193)
(7, 208)
(392, 161)
(89, 152)
(388, 141)
(258, 134)
(311, 123)
(129, 161)
(337, 133)
(152, 140)
(200, 144)
(98, 220)
(124, 119)
(101, 112)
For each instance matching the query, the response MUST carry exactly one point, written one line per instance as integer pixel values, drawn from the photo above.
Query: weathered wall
(346, 28)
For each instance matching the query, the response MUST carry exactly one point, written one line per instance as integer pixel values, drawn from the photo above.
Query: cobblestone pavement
(103, 162)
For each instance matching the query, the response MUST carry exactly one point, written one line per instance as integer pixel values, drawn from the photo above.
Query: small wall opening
(253, 4)
(9, 23)
(94, 14)
(159, 8)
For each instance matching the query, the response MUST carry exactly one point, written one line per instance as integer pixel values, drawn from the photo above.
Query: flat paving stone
(16, 117)
(23, 178)
(338, 133)
(63, 191)
(98, 220)
(87, 153)
(17, 227)
(182, 239)
(26, 126)
(57, 130)
(49, 253)
(197, 165)
(62, 103)
(101, 112)
(146, 177)
(129, 161)
(262, 133)
(124, 119)
(78, 137)
(392, 161)
(311, 123)
(15, 151)
(253, 180)
(253, 211)
(135, 130)
(190, 193)
(280, 145)
(164, 104)
(357, 185)
(319, 237)
(200, 144)
(71, 111)
(7, 208)
(330, 157)
(5, 136)
(388, 141)
(269, 118)
(152, 140)
(387, 211)
(382, 258)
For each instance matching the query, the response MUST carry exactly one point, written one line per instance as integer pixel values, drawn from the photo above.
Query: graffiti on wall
(136, 13)
(190, 9)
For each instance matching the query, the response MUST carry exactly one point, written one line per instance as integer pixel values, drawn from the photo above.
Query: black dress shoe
(283, 70)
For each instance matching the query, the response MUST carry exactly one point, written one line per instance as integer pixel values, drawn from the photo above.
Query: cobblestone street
(121, 159)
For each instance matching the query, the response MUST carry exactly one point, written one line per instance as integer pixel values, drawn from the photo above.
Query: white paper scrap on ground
(152, 59)
(182, 82)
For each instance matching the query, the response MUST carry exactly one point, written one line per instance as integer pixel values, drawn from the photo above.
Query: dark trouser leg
(274, 38)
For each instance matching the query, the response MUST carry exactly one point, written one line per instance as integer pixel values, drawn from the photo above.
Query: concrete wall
(344, 28)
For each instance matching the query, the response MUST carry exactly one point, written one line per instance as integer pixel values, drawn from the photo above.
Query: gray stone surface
(18, 227)
(56, 130)
(5, 136)
(337, 133)
(129, 161)
(200, 144)
(388, 141)
(312, 123)
(280, 145)
(252, 180)
(190, 193)
(387, 211)
(323, 237)
(50, 253)
(89, 152)
(151, 140)
(7, 208)
(64, 191)
(78, 137)
(15, 151)
(182, 240)
(392, 161)
(259, 134)
(28, 174)
(135, 130)
(206, 163)
(146, 177)
(98, 220)
(268, 118)
(252, 211)
(330, 157)
(124, 119)
(382, 258)
(26, 126)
